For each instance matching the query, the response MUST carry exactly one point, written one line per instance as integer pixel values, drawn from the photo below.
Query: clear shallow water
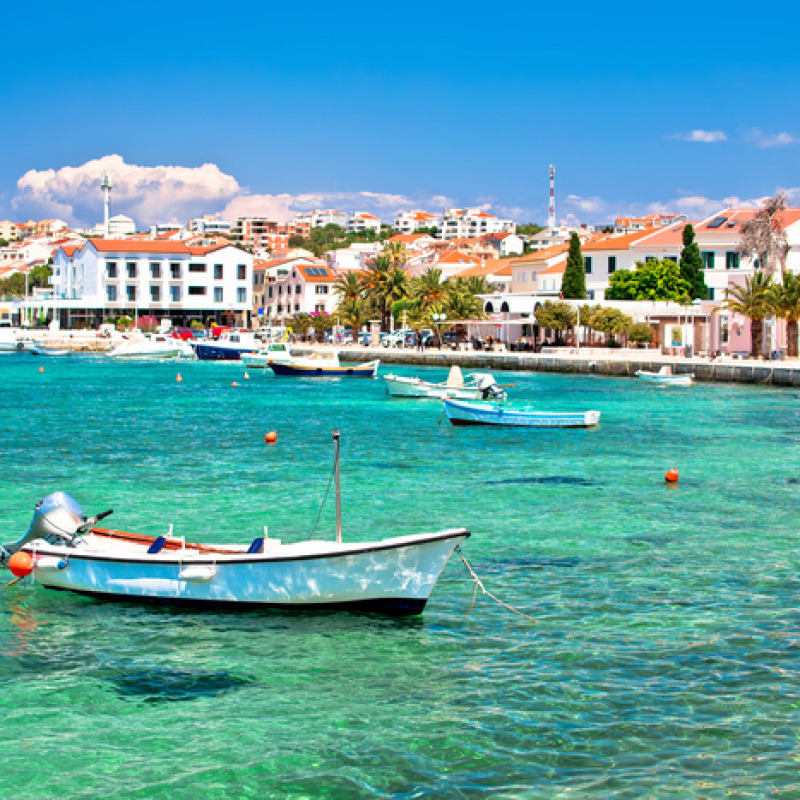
(664, 657)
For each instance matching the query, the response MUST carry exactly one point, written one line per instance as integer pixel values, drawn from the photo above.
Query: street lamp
(437, 318)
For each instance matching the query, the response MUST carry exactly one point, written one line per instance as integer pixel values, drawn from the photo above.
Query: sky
(269, 109)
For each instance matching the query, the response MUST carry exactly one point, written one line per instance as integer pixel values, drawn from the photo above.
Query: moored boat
(275, 352)
(323, 364)
(146, 346)
(666, 377)
(476, 386)
(464, 412)
(63, 550)
(230, 346)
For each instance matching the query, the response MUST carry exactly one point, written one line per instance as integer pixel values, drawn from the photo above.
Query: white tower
(551, 216)
(105, 185)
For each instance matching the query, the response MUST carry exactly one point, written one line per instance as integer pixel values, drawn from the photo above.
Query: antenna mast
(551, 217)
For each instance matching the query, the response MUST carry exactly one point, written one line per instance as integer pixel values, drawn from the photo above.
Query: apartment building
(307, 288)
(361, 221)
(460, 223)
(411, 221)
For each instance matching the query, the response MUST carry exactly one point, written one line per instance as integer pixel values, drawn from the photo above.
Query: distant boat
(666, 377)
(230, 346)
(40, 350)
(476, 386)
(323, 364)
(277, 351)
(147, 346)
(463, 412)
(65, 550)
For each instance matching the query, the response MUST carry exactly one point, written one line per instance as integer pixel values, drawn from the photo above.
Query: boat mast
(336, 436)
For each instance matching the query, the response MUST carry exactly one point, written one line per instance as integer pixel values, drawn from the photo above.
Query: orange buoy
(41, 369)
(20, 564)
(179, 379)
(271, 437)
(671, 476)
(247, 377)
(234, 384)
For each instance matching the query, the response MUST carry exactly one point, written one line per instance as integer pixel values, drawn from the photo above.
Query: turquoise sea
(664, 660)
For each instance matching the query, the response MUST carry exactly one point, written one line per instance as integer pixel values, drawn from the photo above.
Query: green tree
(348, 286)
(573, 285)
(355, 312)
(300, 323)
(641, 333)
(429, 288)
(557, 316)
(753, 300)
(659, 279)
(691, 265)
(785, 302)
(611, 321)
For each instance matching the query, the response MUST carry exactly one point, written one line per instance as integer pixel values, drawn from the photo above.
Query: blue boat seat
(257, 546)
(158, 545)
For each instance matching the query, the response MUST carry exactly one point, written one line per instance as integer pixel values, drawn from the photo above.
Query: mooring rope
(478, 584)
(324, 500)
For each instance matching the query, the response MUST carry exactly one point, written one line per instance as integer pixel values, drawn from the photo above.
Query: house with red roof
(361, 221)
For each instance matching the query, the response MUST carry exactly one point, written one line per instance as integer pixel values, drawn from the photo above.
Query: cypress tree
(691, 265)
(573, 284)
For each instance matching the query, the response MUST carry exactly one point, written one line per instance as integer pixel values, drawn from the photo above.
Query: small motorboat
(41, 350)
(231, 346)
(323, 364)
(276, 352)
(666, 377)
(465, 412)
(147, 346)
(62, 549)
(476, 386)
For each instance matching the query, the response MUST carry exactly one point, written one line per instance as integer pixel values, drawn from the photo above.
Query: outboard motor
(489, 388)
(57, 515)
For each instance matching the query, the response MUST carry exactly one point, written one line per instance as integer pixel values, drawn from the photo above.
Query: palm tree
(383, 284)
(355, 312)
(785, 302)
(396, 253)
(753, 301)
(348, 286)
(429, 288)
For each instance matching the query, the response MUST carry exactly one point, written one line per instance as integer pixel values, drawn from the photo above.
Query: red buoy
(271, 437)
(20, 564)
(671, 476)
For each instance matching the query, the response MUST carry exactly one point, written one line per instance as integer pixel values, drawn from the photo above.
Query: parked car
(182, 333)
(346, 337)
(399, 338)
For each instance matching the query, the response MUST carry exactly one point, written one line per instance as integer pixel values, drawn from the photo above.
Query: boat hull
(471, 413)
(320, 371)
(665, 380)
(399, 386)
(394, 576)
(215, 352)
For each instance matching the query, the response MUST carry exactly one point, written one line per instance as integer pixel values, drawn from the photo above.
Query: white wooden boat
(277, 351)
(476, 386)
(66, 551)
(146, 346)
(41, 350)
(465, 412)
(666, 377)
(323, 364)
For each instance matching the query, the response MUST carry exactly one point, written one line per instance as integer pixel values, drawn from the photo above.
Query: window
(197, 267)
(708, 259)
(175, 294)
(674, 259)
(130, 293)
(297, 307)
(111, 294)
(175, 270)
(322, 289)
(217, 294)
(710, 294)
(269, 292)
(131, 267)
(217, 272)
(587, 265)
(155, 293)
(317, 308)
(197, 290)
(111, 269)
(723, 330)
(612, 264)
(241, 271)
(650, 259)
(590, 294)
(155, 270)
(731, 260)
(241, 296)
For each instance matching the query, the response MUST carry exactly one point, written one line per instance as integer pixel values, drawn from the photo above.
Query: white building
(411, 221)
(208, 225)
(355, 257)
(319, 219)
(165, 278)
(307, 288)
(361, 221)
(458, 223)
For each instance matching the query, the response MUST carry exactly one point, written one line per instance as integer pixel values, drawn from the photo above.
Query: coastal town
(485, 280)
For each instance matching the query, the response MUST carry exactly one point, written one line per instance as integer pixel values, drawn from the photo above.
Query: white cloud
(709, 137)
(148, 194)
(760, 139)
(585, 205)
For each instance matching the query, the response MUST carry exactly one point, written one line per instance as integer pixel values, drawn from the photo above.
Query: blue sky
(375, 106)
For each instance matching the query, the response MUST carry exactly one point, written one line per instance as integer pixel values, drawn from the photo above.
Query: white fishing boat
(231, 346)
(64, 550)
(147, 346)
(275, 352)
(666, 377)
(464, 412)
(476, 386)
(323, 364)
(42, 350)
